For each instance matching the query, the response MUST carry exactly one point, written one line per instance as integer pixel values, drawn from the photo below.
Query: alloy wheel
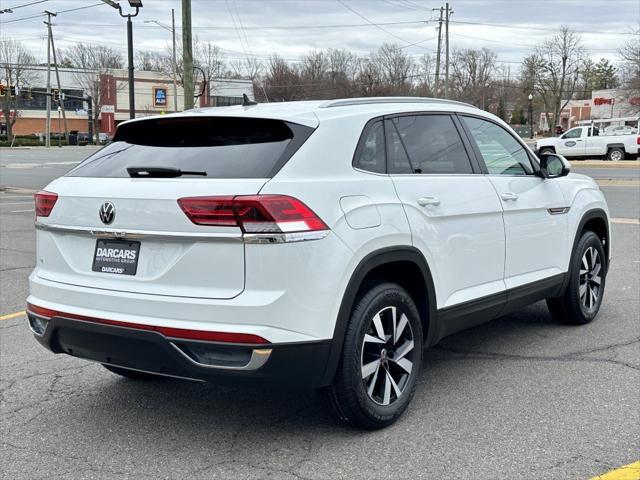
(590, 278)
(388, 355)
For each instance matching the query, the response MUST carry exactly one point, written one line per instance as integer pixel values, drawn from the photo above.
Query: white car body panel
(530, 229)
(292, 292)
(465, 228)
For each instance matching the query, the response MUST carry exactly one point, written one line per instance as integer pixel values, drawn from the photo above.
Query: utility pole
(446, 65)
(437, 80)
(48, 122)
(175, 63)
(61, 95)
(187, 55)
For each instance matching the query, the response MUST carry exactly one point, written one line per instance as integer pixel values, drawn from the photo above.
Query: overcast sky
(291, 28)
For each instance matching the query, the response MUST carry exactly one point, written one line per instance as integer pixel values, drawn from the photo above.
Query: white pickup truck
(587, 142)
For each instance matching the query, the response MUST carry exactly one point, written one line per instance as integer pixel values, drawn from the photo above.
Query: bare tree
(395, 68)
(630, 55)
(282, 81)
(342, 70)
(555, 66)
(472, 75)
(92, 63)
(211, 60)
(248, 67)
(15, 60)
(150, 61)
(425, 76)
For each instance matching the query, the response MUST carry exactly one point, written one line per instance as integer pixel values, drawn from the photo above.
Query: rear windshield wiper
(160, 172)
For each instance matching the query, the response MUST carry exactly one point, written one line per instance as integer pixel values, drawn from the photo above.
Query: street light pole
(59, 132)
(174, 60)
(132, 93)
(137, 4)
(531, 115)
(175, 64)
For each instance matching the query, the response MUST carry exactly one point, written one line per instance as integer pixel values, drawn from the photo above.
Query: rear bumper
(300, 363)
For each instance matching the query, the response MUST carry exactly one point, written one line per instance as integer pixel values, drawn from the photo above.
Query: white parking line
(35, 165)
(23, 211)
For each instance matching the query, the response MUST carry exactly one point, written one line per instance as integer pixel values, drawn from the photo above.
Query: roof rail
(346, 102)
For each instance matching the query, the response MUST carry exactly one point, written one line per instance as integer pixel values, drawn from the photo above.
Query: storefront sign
(603, 101)
(159, 97)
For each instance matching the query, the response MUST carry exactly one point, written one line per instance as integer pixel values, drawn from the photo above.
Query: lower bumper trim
(301, 364)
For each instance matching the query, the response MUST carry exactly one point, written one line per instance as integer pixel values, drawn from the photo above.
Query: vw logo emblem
(107, 213)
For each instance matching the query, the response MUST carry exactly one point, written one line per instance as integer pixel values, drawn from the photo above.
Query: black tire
(572, 307)
(547, 151)
(131, 374)
(616, 154)
(349, 395)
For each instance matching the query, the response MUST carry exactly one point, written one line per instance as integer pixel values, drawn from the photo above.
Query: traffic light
(3, 90)
(14, 90)
(56, 95)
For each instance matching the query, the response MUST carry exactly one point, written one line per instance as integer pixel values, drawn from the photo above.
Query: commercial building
(605, 107)
(154, 94)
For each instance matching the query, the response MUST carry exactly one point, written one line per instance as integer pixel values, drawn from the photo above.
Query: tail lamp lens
(45, 201)
(253, 213)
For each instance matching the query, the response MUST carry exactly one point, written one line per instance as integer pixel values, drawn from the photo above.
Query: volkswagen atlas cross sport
(322, 243)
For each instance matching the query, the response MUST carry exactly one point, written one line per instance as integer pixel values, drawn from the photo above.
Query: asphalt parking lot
(518, 398)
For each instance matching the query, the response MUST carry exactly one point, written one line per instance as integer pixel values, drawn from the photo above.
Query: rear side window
(371, 155)
(425, 144)
(223, 147)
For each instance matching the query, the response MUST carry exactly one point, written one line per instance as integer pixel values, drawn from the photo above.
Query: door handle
(425, 201)
(507, 196)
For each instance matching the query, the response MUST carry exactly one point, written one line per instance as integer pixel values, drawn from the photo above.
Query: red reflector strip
(183, 333)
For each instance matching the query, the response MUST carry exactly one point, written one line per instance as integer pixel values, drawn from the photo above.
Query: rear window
(223, 147)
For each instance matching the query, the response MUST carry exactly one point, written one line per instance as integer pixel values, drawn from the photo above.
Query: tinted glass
(425, 144)
(575, 133)
(222, 147)
(502, 153)
(370, 156)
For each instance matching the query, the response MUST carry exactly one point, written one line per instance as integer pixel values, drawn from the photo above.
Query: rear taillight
(253, 213)
(45, 202)
(638, 140)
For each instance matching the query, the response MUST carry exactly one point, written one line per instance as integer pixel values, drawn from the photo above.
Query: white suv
(318, 243)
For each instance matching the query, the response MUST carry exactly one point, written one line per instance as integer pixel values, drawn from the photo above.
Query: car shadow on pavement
(191, 408)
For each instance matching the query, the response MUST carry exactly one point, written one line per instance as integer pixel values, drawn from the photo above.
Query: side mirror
(553, 166)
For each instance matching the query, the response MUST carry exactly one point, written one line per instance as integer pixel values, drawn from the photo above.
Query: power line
(40, 15)
(341, 2)
(11, 9)
(544, 29)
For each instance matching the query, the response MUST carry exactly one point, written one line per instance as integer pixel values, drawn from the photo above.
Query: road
(520, 397)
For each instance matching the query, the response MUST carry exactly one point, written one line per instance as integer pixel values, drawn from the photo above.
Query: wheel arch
(392, 261)
(615, 145)
(595, 220)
